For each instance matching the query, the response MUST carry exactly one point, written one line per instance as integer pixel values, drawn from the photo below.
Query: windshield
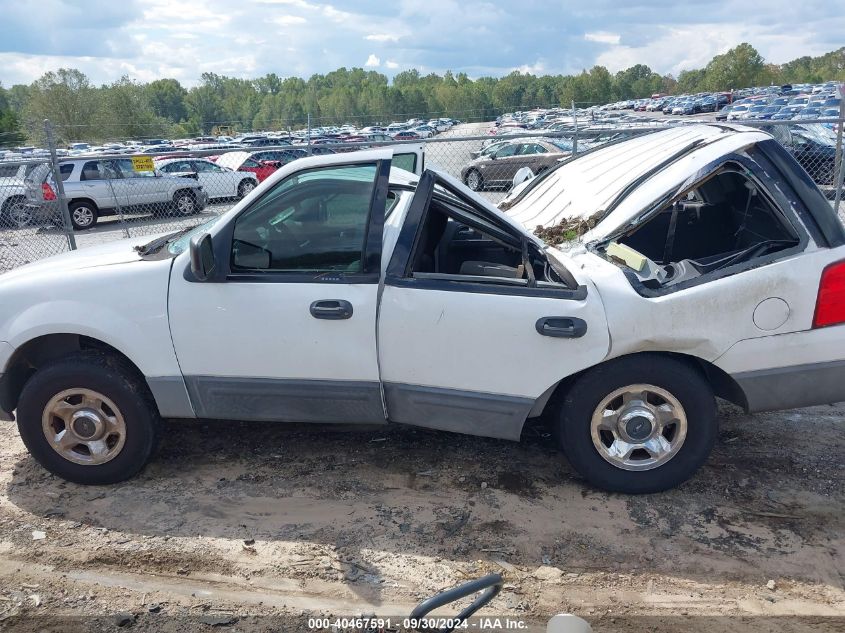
(178, 242)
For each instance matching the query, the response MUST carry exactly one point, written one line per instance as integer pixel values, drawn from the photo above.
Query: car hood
(601, 191)
(114, 253)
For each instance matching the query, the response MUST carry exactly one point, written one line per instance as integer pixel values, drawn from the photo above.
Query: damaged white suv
(699, 262)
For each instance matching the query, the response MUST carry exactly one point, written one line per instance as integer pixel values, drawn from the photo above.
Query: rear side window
(8, 171)
(65, 170)
(407, 162)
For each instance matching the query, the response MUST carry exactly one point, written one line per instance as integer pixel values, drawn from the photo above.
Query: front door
(286, 329)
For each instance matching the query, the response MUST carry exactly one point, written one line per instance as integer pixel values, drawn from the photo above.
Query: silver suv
(104, 186)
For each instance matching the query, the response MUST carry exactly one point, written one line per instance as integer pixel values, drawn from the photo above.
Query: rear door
(217, 181)
(470, 346)
(99, 181)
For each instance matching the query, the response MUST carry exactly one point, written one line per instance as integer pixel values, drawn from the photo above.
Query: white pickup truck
(678, 266)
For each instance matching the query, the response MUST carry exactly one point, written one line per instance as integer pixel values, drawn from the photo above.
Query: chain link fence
(50, 204)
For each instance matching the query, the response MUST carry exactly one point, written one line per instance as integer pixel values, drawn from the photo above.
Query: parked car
(813, 146)
(498, 168)
(244, 162)
(786, 113)
(98, 187)
(406, 135)
(410, 299)
(217, 181)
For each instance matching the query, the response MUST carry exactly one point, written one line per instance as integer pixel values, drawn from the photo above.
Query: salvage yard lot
(269, 523)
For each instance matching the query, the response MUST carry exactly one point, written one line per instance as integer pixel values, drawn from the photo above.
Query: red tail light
(830, 305)
(47, 191)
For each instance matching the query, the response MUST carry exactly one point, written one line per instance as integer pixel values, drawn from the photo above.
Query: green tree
(10, 128)
(740, 67)
(66, 97)
(167, 99)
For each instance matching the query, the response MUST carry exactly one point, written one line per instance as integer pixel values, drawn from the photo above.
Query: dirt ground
(257, 527)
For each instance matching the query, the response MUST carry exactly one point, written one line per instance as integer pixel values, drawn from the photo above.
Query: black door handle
(562, 327)
(333, 309)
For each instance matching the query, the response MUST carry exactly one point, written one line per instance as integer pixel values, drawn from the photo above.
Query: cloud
(160, 38)
(382, 37)
(603, 37)
(287, 20)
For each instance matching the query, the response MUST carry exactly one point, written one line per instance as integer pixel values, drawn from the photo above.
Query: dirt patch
(272, 523)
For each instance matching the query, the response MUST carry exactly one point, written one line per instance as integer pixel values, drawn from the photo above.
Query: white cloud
(287, 20)
(372, 61)
(382, 37)
(390, 64)
(603, 37)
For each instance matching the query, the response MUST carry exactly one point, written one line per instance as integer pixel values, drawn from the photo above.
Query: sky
(152, 39)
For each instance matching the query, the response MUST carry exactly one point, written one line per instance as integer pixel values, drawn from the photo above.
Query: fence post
(309, 135)
(575, 132)
(60, 185)
(838, 163)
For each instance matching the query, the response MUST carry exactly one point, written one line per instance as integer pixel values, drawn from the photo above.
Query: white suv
(674, 267)
(105, 186)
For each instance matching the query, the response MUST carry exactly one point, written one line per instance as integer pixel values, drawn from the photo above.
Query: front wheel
(474, 181)
(88, 418)
(638, 424)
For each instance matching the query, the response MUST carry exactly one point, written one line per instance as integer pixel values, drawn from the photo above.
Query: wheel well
(189, 191)
(88, 200)
(723, 385)
(32, 355)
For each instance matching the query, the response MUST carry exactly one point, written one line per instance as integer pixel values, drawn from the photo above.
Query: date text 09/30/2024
(342, 625)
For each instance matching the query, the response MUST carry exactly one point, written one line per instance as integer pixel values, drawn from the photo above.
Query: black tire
(472, 183)
(681, 380)
(185, 204)
(13, 214)
(110, 377)
(83, 215)
(246, 187)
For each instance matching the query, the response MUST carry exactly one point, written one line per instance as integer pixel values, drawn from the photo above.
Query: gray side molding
(470, 412)
(171, 396)
(286, 400)
(793, 387)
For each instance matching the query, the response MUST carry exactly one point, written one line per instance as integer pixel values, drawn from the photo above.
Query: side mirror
(202, 256)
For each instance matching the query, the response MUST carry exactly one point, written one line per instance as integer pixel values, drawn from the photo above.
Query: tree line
(81, 111)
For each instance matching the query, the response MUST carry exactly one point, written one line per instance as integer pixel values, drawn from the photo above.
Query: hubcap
(246, 188)
(473, 180)
(185, 205)
(83, 216)
(84, 426)
(639, 427)
(19, 216)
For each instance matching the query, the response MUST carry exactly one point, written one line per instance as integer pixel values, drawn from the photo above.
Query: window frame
(399, 273)
(371, 246)
(779, 193)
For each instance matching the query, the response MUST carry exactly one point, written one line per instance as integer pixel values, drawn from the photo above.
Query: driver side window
(313, 221)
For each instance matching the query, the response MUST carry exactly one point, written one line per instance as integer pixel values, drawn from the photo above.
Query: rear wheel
(474, 180)
(83, 215)
(184, 204)
(638, 424)
(88, 418)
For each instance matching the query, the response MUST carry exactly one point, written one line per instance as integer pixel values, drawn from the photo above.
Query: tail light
(47, 191)
(830, 305)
